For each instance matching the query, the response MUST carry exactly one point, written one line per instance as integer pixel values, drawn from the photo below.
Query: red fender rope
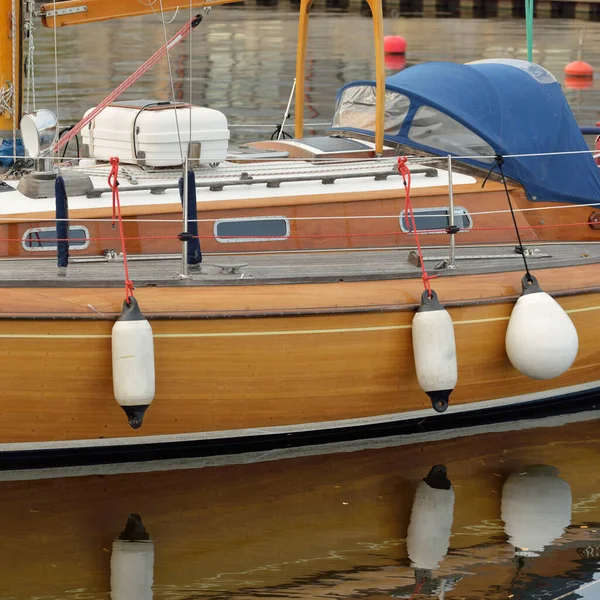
(405, 172)
(116, 207)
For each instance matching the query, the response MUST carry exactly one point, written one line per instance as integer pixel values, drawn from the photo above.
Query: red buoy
(394, 44)
(395, 62)
(579, 68)
(578, 83)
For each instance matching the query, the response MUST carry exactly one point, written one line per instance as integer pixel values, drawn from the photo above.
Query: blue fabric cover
(514, 113)
(62, 226)
(7, 152)
(194, 253)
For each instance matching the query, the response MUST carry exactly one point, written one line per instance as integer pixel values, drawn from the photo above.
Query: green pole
(529, 28)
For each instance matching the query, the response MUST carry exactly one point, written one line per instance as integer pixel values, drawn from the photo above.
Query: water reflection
(383, 522)
(428, 536)
(536, 508)
(132, 563)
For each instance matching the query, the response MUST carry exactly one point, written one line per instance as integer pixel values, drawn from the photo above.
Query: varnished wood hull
(267, 359)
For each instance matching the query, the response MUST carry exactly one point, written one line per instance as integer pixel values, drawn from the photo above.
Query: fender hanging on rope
(541, 340)
(434, 349)
(434, 345)
(132, 339)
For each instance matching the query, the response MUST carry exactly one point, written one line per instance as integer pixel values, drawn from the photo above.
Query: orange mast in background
(10, 66)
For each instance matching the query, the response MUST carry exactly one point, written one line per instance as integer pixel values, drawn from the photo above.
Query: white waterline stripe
(302, 427)
(82, 336)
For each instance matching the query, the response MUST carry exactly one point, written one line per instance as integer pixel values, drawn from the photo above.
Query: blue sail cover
(484, 108)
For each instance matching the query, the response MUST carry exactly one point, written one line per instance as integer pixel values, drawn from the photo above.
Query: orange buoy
(578, 83)
(579, 68)
(394, 44)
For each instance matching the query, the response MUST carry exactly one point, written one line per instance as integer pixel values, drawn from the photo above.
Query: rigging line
(499, 161)
(13, 31)
(55, 69)
(164, 26)
(30, 55)
(191, 63)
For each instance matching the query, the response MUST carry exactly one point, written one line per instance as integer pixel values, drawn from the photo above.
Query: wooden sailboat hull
(260, 360)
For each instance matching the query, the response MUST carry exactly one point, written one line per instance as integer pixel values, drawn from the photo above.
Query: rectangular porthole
(252, 229)
(43, 239)
(427, 219)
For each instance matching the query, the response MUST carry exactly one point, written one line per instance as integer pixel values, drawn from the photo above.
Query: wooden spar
(91, 11)
(10, 23)
(377, 13)
(305, 6)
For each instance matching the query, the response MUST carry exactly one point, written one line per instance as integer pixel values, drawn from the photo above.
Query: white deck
(16, 203)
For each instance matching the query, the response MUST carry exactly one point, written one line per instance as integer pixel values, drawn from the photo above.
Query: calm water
(244, 59)
(336, 525)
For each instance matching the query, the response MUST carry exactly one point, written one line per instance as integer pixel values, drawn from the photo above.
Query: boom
(78, 12)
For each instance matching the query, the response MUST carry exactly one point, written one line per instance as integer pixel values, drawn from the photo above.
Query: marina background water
(243, 59)
(313, 523)
(333, 524)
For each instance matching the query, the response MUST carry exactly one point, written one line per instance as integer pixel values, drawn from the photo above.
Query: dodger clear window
(356, 109)
(427, 219)
(44, 238)
(252, 229)
(433, 128)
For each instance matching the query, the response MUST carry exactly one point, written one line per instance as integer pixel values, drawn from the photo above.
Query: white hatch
(157, 134)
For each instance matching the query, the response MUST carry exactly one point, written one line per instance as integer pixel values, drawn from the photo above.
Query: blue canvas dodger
(498, 106)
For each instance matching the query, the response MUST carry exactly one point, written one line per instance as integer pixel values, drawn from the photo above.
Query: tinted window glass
(356, 108)
(44, 238)
(251, 230)
(432, 128)
(435, 218)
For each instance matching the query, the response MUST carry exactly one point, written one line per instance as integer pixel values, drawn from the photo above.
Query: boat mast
(10, 66)
(377, 14)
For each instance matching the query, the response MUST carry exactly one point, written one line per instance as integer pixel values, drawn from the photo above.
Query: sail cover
(478, 110)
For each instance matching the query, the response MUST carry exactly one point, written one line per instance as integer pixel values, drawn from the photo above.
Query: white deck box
(144, 132)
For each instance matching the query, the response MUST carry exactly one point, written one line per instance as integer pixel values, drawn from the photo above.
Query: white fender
(434, 350)
(132, 563)
(133, 362)
(536, 508)
(541, 340)
(431, 519)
